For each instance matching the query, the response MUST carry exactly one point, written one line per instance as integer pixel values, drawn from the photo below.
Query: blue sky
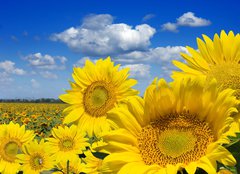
(40, 41)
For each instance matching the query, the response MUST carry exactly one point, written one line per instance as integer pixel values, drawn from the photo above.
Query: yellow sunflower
(12, 138)
(67, 141)
(75, 166)
(98, 88)
(36, 157)
(180, 125)
(218, 58)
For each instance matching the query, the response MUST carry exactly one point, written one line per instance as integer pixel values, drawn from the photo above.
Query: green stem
(68, 172)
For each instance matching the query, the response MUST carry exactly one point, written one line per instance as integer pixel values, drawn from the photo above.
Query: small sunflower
(218, 58)
(98, 88)
(75, 166)
(36, 157)
(180, 125)
(12, 138)
(67, 141)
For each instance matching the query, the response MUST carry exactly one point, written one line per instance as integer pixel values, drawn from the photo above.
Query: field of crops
(35, 116)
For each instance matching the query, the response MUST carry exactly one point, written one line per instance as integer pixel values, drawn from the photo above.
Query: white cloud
(46, 61)
(97, 21)
(99, 36)
(170, 27)
(19, 71)
(9, 67)
(48, 75)
(62, 59)
(138, 71)
(153, 55)
(187, 19)
(148, 17)
(81, 62)
(34, 83)
(166, 70)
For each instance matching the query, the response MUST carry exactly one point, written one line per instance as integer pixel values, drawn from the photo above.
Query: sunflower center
(175, 142)
(174, 138)
(36, 161)
(10, 151)
(66, 144)
(227, 75)
(99, 98)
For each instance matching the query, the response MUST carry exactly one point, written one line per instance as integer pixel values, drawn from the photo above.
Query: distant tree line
(40, 100)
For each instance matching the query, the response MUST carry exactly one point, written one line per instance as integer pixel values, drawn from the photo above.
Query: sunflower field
(189, 125)
(37, 117)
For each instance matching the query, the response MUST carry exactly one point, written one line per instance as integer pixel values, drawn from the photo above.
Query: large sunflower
(67, 141)
(36, 157)
(218, 58)
(12, 138)
(181, 125)
(98, 88)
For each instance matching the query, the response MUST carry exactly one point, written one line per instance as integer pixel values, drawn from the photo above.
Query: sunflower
(12, 138)
(36, 157)
(67, 141)
(173, 128)
(218, 58)
(98, 88)
(75, 166)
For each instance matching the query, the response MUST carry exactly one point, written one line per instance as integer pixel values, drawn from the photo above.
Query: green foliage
(234, 148)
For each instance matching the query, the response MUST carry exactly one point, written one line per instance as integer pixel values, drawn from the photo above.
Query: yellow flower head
(67, 141)
(178, 125)
(36, 157)
(218, 58)
(5, 115)
(12, 138)
(98, 88)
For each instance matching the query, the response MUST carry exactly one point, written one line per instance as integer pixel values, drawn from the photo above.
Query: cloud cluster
(187, 19)
(99, 36)
(153, 55)
(9, 68)
(162, 56)
(138, 71)
(46, 61)
(43, 64)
